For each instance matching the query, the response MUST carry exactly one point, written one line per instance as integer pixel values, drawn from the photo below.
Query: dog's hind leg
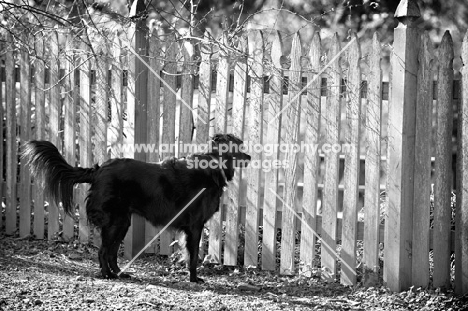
(112, 235)
(193, 242)
(114, 249)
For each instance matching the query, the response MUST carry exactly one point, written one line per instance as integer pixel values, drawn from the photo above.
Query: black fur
(156, 191)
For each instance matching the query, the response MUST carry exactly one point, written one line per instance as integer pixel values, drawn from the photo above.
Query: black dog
(156, 191)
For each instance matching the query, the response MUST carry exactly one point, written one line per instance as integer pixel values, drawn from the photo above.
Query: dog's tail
(56, 175)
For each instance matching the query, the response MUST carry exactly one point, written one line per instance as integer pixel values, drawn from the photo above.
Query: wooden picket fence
(89, 97)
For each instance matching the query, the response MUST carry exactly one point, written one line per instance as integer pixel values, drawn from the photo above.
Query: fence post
(401, 144)
(137, 110)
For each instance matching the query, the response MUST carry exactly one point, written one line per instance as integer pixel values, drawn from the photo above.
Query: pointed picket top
(354, 54)
(296, 50)
(376, 53)
(408, 8)
(335, 46)
(241, 50)
(407, 13)
(256, 51)
(314, 52)
(376, 44)
(205, 48)
(277, 50)
(427, 50)
(224, 45)
(138, 9)
(446, 50)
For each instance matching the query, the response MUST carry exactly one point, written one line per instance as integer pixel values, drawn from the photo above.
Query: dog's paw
(106, 275)
(112, 275)
(197, 280)
(124, 275)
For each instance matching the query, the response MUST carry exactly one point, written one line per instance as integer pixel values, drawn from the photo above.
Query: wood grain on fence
(443, 164)
(233, 191)
(273, 131)
(330, 190)
(154, 120)
(25, 133)
(372, 166)
(291, 121)
(204, 104)
(254, 136)
(40, 126)
(461, 214)
(169, 116)
(85, 136)
(69, 116)
(311, 159)
(186, 103)
(401, 134)
(10, 138)
(100, 112)
(116, 102)
(352, 166)
(220, 126)
(137, 110)
(422, 169)
(54, 123)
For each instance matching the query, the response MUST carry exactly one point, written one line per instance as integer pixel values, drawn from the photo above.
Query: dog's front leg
(193, 242)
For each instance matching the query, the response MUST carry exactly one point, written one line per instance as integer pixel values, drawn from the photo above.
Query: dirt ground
(39, 275)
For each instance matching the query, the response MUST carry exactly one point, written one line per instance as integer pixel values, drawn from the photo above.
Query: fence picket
(137, 110)
(204, 93)
(372, 166)
(100, 113)
(220, 126)
(255, 133)
(204, 105)
(69, 114)
(461, 214)
(238, 114)
(154, 88)
(422, 169)
(273, 132)
(311, 160)
(54, 123)
(39, 104)
(85, 137)
(330, 190)
(352, 166)
(116, 104)
(290, 121)
(25, 133)
(11, 144)
(186, 105)
(169, 115)
(443, 165)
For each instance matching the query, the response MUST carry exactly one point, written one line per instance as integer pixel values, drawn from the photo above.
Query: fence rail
(88, 103)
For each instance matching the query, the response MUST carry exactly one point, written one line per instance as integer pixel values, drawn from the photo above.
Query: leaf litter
(54, 275)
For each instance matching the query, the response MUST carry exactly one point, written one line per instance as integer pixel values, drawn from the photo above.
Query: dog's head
(230, 147)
